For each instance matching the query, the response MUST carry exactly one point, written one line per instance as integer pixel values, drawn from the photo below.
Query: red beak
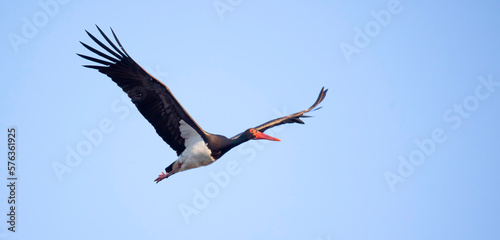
(259, 135)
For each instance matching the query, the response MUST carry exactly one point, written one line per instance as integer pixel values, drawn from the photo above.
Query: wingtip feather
(94, 67)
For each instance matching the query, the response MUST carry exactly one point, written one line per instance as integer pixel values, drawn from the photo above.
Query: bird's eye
(252, 131)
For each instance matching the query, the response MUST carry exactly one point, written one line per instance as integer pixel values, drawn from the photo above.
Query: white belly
(196, 153)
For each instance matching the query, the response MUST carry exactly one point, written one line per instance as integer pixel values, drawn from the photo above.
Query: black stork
(194, 146)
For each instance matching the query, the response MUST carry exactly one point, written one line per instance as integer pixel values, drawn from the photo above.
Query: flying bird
(194, 146)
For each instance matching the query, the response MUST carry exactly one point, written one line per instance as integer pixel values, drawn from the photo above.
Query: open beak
(260, 135)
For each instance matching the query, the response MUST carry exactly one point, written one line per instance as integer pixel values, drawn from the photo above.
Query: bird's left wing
(292, 118)
(153, 99)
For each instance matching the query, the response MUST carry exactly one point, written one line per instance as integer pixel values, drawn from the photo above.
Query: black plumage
(158, 105)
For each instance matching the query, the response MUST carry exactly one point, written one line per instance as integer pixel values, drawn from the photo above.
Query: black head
(252, 133)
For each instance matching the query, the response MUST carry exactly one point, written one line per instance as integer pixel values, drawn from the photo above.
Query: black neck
(234, 142)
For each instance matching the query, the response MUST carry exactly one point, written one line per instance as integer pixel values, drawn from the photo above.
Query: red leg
(161, 177)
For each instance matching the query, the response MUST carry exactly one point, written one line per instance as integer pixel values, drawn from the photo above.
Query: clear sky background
(405, 146)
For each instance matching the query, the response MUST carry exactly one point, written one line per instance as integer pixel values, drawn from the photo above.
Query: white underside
(196, 153)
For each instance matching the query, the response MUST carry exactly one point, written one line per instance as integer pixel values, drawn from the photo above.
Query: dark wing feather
(153, 99)
(292, 118)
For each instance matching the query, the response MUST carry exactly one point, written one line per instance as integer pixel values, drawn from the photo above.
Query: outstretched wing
(292, 118)
(153, 99)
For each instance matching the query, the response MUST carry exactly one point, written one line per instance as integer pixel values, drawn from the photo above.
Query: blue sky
(405, 146)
